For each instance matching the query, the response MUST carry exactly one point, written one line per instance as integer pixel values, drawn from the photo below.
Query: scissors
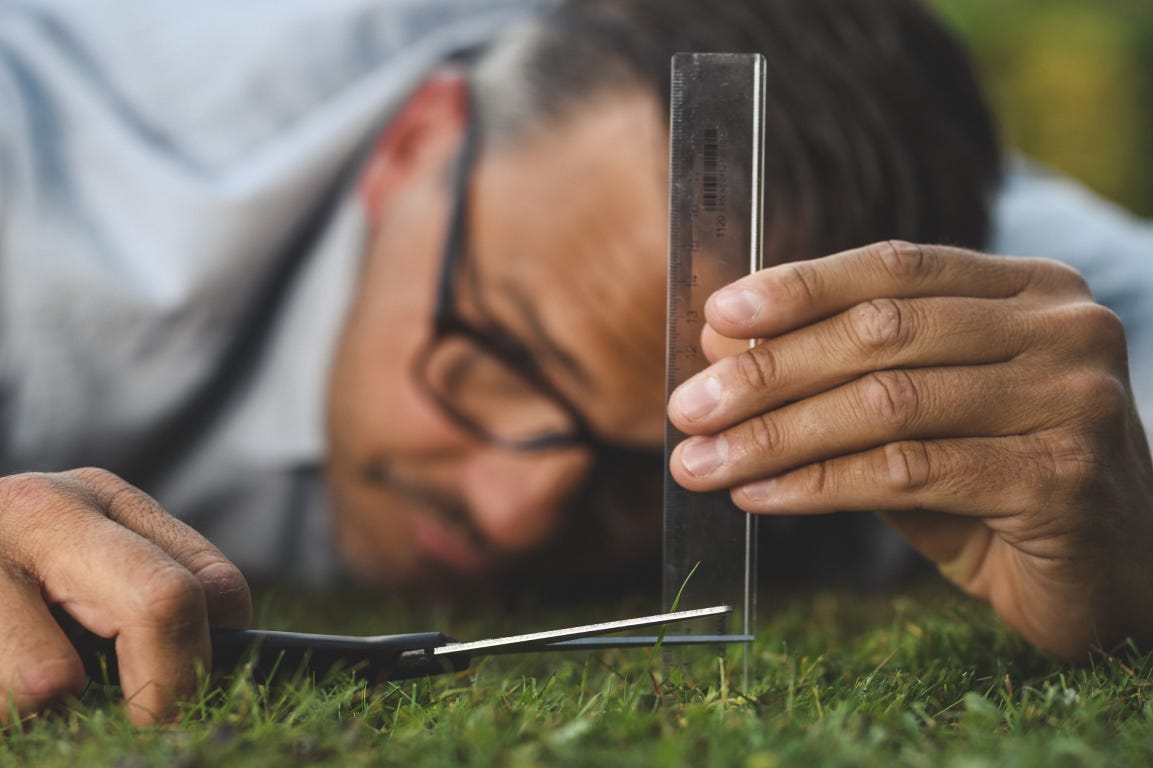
(382, 658)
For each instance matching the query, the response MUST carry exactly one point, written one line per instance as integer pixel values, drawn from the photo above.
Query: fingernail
(704, 455)
(738, 305)
(759, 491)
(698, 398)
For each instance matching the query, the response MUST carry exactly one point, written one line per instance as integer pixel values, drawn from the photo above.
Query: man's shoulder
(215, 81)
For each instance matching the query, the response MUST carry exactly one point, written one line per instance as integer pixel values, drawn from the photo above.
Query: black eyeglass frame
(494, 340)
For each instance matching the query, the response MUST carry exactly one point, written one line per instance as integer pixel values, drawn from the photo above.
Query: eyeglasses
(482, 377)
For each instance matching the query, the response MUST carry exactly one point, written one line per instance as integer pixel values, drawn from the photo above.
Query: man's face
(566, 247)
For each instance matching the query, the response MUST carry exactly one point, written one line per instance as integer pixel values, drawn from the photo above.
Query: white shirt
(172, 278)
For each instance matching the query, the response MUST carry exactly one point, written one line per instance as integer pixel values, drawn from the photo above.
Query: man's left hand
(980, 404)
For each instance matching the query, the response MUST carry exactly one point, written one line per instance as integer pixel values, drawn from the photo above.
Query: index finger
(789, 296)
(226, 593)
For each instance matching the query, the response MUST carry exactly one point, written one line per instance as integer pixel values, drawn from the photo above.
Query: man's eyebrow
(540, 336)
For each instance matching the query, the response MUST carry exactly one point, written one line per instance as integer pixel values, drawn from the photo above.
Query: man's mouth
(441, 527)
(449, 547)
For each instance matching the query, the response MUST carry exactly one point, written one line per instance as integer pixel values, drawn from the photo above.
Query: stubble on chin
(609, 543)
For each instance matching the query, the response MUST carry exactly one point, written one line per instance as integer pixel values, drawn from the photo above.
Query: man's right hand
(89, 544)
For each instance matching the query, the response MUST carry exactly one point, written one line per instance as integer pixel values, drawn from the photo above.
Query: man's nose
(516, 500)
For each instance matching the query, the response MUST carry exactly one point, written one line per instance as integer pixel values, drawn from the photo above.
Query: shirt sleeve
(167, 229)
(9, 112)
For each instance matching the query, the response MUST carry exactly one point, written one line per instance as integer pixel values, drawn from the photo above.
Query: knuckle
(116, 493)
(759, 368)
(764, 435)
(891, 398)
(33, 506)
(96, 476)
(171, 595)
(1061, 276)
(801, 283)
(19, 491)
(906, 465)
(1074, 465)
(226, 591)
(1105, 323)
(1103, 400)
(817, 480)
(33, 509)
(877, 324)
(44, 681)
(902, 259)
(41, 492)
(209, 566)
(1099, 326)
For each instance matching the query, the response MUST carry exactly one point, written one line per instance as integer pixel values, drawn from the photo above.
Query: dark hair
(876, 128)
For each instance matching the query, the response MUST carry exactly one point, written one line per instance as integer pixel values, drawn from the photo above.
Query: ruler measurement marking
(714, 238)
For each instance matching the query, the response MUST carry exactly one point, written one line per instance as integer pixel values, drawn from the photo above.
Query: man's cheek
(374, 543)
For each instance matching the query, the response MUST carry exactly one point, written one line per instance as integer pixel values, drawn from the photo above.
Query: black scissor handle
(273, 654)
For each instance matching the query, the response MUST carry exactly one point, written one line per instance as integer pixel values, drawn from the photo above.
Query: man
(981, 404)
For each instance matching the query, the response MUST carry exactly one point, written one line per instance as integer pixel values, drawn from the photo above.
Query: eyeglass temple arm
(455, 241)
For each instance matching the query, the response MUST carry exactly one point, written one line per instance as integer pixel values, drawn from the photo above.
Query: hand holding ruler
(715, 207)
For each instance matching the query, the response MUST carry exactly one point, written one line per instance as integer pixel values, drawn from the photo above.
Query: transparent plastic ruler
(716, 163)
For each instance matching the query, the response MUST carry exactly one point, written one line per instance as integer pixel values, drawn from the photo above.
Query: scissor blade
(645, 641)
(544, 641)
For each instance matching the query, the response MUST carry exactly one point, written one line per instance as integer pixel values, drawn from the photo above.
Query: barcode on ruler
(710, 175)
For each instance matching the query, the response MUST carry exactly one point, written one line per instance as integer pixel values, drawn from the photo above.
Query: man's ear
(427, 127)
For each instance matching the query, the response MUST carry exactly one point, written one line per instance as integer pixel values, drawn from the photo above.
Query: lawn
(923, 678)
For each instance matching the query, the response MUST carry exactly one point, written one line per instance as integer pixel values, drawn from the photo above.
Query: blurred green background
(1072, 84)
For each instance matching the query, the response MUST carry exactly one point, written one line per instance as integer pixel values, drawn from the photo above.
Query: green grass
(923, 679)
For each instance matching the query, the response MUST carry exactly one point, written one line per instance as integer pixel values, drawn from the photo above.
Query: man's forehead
(595, 181)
